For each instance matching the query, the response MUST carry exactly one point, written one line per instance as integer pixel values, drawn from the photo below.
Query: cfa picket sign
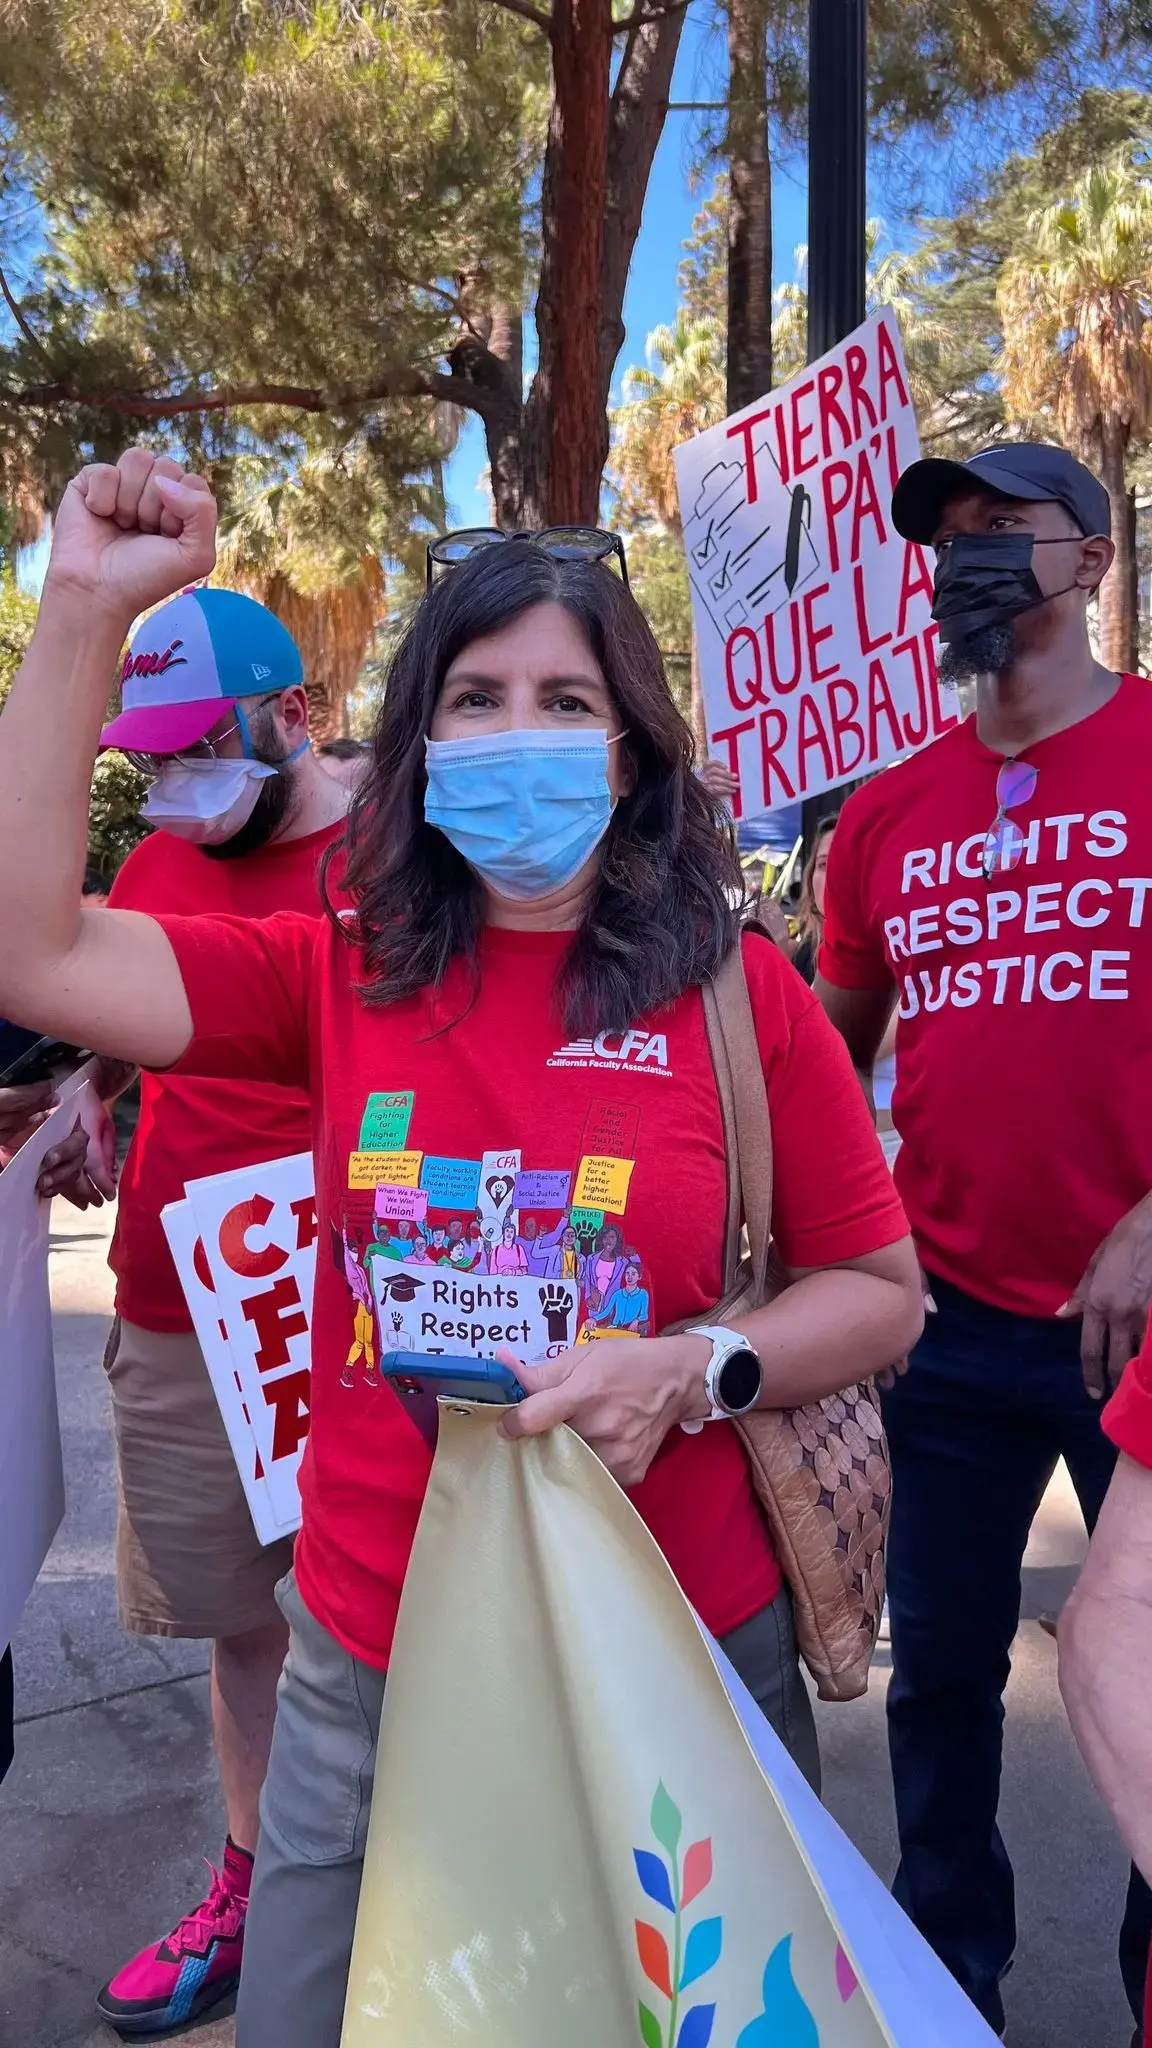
(31, 1464)
(247, 1261)
(813, 617)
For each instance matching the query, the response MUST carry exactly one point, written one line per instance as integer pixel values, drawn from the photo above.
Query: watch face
(738, 1382)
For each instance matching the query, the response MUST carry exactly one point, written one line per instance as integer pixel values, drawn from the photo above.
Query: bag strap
(747, 1123)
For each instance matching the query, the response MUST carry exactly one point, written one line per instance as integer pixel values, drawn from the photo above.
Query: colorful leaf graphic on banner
(654, 1878)
(701, 1951)
(786, 2021)
(673, 1967)
(696, 2029)
(651, 2032)
(697, 1871)
(653, 1952)
(846, 1979)
(666, 1820)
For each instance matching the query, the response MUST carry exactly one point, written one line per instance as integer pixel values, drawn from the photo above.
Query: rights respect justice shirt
(482, 1176)
(189, 1127)
(1024, 1036)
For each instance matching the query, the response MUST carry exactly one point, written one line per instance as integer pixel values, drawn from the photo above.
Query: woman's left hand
(621, 1394)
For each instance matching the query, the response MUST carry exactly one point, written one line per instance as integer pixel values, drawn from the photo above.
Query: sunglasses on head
(563, 543)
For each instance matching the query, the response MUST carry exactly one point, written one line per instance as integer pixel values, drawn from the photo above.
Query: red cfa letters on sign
(813, 616)
(256, 1252)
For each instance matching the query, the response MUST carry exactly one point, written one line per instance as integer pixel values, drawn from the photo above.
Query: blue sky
(674, 198)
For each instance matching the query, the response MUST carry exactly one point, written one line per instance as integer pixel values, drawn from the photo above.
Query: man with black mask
(216, 715)
(997, 888)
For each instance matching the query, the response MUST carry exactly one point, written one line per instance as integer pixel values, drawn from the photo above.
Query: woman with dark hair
(810, 921)
(539, 889)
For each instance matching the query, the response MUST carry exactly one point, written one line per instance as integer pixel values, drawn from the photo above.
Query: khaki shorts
(188, 1561)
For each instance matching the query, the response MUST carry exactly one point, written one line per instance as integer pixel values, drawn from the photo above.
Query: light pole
(837, 151)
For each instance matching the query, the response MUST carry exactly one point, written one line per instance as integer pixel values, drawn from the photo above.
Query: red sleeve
(833, 1196)
(1128, 1417)
(851, 953)
(247, 981)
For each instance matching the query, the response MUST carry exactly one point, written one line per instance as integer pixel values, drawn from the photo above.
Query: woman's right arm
(125, 537)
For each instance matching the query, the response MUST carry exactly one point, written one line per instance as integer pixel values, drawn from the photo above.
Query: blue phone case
(413, 1373)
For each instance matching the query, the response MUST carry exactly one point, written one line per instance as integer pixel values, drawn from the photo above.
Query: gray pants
(318, 1794)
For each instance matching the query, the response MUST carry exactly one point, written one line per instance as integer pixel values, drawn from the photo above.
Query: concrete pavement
(112, 1801)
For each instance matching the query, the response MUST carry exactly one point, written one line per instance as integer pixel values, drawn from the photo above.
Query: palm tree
(1075, 306)
(892, 279)
(310, 543)
(679, 396)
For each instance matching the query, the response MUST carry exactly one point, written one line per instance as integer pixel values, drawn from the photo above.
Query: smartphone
(420, 1373)
(38, 1061)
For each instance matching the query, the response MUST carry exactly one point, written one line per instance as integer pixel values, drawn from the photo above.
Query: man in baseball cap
(216, 715)
(1029, 471)
(995, 892)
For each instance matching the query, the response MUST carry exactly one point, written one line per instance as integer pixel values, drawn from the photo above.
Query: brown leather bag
(821, 1473)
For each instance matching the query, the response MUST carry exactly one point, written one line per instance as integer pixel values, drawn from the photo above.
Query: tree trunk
(749, 208)
(503, 431)
(1117, 617)
(639, 111)
(566, 442)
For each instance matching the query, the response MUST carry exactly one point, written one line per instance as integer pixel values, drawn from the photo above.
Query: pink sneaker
(177, 1979)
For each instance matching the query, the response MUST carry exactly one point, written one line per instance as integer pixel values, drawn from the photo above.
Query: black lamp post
(837, 150)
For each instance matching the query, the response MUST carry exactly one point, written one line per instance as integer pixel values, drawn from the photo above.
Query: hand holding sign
(129, 534)
(622, 1395)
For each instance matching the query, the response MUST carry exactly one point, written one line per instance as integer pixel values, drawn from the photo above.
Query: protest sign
(813, 617)
(182, 1232)
(257, 1232)
(634, 1859)
(436, 1309)
(31, 1466)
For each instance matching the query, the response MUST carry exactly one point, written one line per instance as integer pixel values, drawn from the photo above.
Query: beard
(267, 816)
(987, 652)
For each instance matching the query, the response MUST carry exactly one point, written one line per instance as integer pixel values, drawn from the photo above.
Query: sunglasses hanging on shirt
(1004, 842)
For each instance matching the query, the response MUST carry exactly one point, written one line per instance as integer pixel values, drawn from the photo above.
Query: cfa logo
(631, 1049)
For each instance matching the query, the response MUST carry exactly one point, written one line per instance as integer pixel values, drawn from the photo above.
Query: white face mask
(205, 802)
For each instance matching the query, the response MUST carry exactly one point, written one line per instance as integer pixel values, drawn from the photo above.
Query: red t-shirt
(1023, 1048)
(277, 998)
(190, 1126)
(1128, 1417)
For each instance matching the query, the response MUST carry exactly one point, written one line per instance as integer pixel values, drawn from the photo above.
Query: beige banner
(572, 1843)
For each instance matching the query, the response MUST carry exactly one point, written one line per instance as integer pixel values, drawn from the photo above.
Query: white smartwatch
(732, 1376)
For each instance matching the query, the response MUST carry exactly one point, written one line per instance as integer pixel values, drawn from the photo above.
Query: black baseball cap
(1029, 470)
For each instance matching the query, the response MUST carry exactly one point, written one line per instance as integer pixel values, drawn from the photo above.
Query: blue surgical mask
(526, 809)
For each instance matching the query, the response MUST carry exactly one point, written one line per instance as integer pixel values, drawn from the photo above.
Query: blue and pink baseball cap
(189, 661)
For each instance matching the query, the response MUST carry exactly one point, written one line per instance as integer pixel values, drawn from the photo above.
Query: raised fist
(556, 1303)
(129, 534)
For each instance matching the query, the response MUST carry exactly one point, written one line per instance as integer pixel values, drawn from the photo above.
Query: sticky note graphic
(376, 1169)
(384, 1124)
(610, 1130)
(451, 1183)
(602, 1183)
(585, 1221)
(541, 1188)
(402, 1205)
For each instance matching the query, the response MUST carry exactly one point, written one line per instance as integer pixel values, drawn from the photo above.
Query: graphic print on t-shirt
(455, 1255)
(947, 907)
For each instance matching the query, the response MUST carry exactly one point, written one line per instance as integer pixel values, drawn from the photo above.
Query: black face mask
(986, 579)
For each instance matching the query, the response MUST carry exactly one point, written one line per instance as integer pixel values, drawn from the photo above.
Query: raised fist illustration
(556, 1303)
